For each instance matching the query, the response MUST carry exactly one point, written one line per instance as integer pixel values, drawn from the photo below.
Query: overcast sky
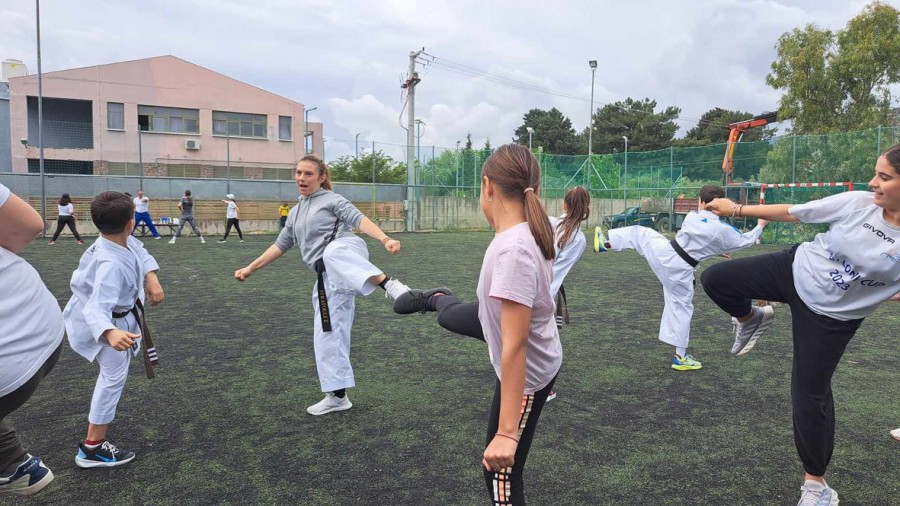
(347, 58)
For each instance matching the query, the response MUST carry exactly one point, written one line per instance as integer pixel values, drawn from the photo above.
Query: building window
(115, 116)
(168, 119)
(284, 128)
(61, 166)
(237, 124)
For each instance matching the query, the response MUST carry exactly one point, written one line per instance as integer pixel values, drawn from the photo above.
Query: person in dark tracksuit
(187, 216)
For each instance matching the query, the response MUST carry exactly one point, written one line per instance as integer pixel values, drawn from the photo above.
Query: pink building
(191, 120)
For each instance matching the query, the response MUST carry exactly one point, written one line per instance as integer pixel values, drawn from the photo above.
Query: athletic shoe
(221, 241)
(330, 403)
(394, 288)
(51, 243)
(29, 478)
(172, 241)
(158, 237)
(418, 300)
(241, 240)
(746, 333)
(896, 434)
(600, 241)
(105, 455)
(202, 241)
(687, 363)
(79, 242)
(816, 494)
(551, 396)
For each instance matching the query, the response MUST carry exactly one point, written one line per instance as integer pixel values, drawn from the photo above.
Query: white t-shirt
(514, 269)
(66, 210)
(568, 256)
(141, 205)
(232, 210)
(31, 323)
(846, 272)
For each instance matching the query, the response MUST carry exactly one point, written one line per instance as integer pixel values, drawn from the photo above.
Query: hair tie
(529, 190)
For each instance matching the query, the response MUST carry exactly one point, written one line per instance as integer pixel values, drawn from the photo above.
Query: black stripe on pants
(61, 223)
(237, 226)
(10, 447)
(506, 487)
(819, 343)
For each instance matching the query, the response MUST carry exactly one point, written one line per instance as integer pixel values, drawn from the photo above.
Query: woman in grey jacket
(321, 225)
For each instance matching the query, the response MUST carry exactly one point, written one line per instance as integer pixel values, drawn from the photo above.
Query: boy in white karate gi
(702, 235)
(100, 320)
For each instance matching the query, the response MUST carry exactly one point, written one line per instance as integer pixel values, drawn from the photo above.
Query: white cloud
(347, 58)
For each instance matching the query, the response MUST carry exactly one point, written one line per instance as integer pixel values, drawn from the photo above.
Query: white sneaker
(330, 403)
(896, 434)
(202, 241)
(813, 493)
(394, 288)
(172, 241)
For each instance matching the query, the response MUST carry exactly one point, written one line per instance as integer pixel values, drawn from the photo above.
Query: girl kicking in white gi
(702, 235)
(101, 324)
(321, 225)
(831, 283)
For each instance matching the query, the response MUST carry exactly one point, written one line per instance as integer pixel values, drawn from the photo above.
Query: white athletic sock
(681, 352)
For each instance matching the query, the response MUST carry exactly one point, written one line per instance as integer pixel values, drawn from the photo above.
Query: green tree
(552, 130)
(638, 120)
(839, 81)
(713, 129)
(359, 170)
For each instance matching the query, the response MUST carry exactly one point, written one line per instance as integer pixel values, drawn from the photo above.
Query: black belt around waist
(683, 254)
(151, 359)
(322, 296)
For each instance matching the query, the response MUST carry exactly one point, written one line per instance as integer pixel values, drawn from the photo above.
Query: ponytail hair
(323, 169)
(65, 199)
(516, 173)
(578, 209)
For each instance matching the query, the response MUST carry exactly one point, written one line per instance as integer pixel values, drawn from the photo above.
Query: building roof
(158, 71)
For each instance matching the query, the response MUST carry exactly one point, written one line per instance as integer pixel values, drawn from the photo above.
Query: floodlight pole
(593, 65)
(37, 7)
(625, 181)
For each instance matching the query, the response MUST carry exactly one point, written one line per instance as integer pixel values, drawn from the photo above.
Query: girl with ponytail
(514, 314)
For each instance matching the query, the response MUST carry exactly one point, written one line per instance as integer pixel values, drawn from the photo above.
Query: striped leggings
(504, 487)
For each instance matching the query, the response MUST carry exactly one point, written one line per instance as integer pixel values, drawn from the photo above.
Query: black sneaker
(105, 455)
(418, 300)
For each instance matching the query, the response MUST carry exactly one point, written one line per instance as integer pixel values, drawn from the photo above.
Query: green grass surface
(224, 422)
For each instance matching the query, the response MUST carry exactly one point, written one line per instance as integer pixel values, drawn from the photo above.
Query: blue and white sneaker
(105, 455)
(30, 477)
(600, 241)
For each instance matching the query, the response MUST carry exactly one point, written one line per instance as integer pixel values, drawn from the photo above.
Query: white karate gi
(702, 235)
(109, 279)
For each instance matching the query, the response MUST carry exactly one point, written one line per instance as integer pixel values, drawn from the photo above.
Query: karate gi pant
(347, 275)
(113, 373)
(676, 276)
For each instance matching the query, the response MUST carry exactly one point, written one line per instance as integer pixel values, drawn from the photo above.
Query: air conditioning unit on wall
(192, 144)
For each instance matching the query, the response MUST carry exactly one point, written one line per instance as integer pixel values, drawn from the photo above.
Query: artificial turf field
(224, 422)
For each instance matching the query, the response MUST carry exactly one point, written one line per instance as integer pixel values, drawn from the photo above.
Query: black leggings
(505, 487)
(237, 226)
(10, 447)
(819, 343)
(61, 223)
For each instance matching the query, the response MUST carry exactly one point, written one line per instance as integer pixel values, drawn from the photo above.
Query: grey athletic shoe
(418, 300)
(818, 496)
(746, 333)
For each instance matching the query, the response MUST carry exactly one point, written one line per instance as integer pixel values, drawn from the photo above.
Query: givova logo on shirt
(879, 233)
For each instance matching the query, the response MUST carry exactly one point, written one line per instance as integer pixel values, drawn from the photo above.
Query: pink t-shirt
(514, 269)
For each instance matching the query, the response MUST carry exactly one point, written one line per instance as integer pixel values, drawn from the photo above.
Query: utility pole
(412, 79)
